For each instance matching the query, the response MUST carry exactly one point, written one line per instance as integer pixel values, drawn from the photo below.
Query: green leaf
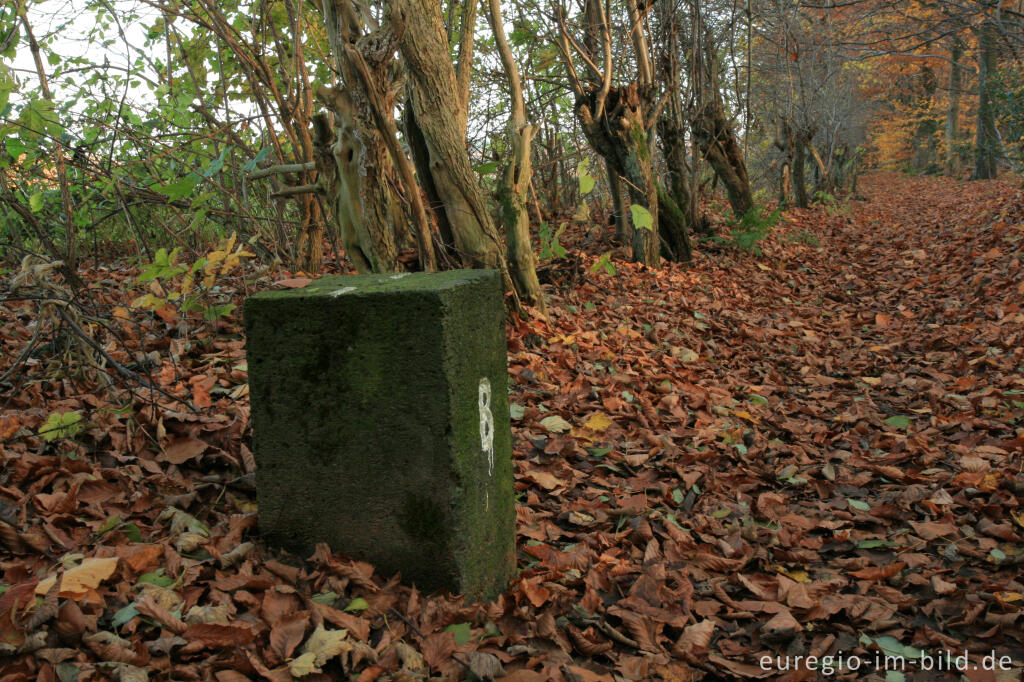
(587, 181)
(157, 578)
(642, 218)
(7, 84)
(326, 598)
(250, 165)
(357, 604)
(35, 202)
(222, 310)
(997, 554)
(516, 411)
(180, 188)
(132, 532)
(61, 425)
(109, 525)
(485, 168)
(859, 505)
(15, 147)
(39, 119)
(898, 421)
(604, 263)
(677, 496)
(463, 633)
(216, 165)
(124, 615)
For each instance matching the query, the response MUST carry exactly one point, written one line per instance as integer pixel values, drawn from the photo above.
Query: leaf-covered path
(814, 452)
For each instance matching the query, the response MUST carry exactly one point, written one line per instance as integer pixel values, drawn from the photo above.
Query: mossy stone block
(381, 424)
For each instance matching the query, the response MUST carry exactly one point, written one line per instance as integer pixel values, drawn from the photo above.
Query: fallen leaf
(80, 580)
(181, 450)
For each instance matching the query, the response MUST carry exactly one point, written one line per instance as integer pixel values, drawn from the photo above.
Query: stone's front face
(381, 424)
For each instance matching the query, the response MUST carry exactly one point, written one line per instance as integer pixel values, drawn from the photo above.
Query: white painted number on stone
(486, 423)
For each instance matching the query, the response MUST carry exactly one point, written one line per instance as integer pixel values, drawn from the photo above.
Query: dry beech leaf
(78, 581)
(181, 450)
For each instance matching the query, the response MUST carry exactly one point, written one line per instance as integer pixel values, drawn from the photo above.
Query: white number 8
(486, 423)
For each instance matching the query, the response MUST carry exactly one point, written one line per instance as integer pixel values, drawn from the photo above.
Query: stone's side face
(370, 424)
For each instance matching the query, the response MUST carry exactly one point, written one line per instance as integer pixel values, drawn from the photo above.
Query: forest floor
(818, 451)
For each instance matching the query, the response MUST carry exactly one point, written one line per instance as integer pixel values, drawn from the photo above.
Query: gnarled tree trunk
(441, 120)
(357, 158)
(718, 143)
(674, 201)
(515, 182)
(619, 135)
(713, 132)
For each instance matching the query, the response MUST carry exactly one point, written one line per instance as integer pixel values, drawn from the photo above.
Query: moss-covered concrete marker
(381, 424)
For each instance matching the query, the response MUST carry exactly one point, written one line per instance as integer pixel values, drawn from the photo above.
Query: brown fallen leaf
(181, 450)
(879, 573)
(696, 636)
(287, 633)
(78, 581)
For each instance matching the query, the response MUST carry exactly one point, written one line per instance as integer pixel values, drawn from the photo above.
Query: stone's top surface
(402, 282)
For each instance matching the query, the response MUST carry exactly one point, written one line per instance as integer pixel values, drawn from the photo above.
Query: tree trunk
(785, 142)
(987, 152)
(359, 201)
(720, 147)
(956, 53)
(618, 203)
(360, 161)
(673, 228)
(515, 183)
(433, 97)
(798, 179)
(713, 133)
(674, 201)
(619, 136)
